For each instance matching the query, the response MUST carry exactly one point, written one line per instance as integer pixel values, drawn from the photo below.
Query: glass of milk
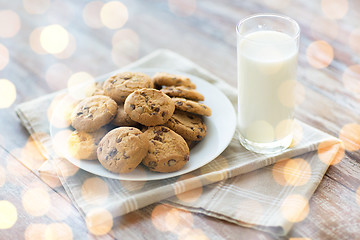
(267, 50)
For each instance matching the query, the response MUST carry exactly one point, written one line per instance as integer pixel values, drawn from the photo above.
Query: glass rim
(284, 17)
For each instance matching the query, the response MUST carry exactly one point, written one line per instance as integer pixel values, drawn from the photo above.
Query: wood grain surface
(204, 32)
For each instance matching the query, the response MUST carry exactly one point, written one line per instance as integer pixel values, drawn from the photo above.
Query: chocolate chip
(191, 117)
(114, 81)
(171, 162)
(157, 109)
(85, 108)
(189, 106)
(118, 139)
(100, 149)
(186, 158)
(204, 106)
(79, 113)
(163, 114)
(198, 136)
(127, 78)
(179, 103)
(132, 106)
(153, 114)
(164, 129)
(125, 156)
(158, 138)
(143, 94)
(158, 132)
(113, 152)
(201, 129)
(90, 116)
(152, 164)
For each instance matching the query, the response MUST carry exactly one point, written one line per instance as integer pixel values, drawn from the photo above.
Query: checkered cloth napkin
(269, 193)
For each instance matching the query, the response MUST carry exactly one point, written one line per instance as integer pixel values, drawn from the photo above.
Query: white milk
(267, 63)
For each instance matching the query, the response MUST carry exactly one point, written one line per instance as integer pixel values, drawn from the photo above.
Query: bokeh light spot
(351, 78)
(295, 172)
(295, 208)
(99, 221)
(334, 9)
(125, 44)
(36, 201)
(182, 7)
(76, 84)
(158, 217)
(7, 93)
(8, 214)
(30, 154)
(350, 135)
(91, 14)
(179, 221)
(94, 190)
(54, 39)
(35, 231)
(34, 41)
(9, 23)
(331, 153)
(319, 54)
(354, 40)
(114, 14)
(60, 140)
(4, 56)
(67, 169)
(58, 231)
(60, 110)
(36, 6)
(69, 50)
(188, 189)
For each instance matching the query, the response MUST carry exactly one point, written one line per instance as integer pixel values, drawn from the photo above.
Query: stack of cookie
(133, 118)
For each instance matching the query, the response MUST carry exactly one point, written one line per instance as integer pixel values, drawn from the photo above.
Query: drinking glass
(267, 50)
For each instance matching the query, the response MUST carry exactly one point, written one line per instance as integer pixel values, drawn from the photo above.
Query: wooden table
(203, 31)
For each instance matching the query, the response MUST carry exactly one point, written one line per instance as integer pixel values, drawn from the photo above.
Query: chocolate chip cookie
(149, 107)
(93, 112)
(122, 119)
(167, 79)
(168, 151)
(119, 86)
(183, 92)
(190, 126)
(83, 145)
(191, 106)
(122, 149)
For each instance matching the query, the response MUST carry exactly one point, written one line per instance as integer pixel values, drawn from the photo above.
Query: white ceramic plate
(220, 130)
